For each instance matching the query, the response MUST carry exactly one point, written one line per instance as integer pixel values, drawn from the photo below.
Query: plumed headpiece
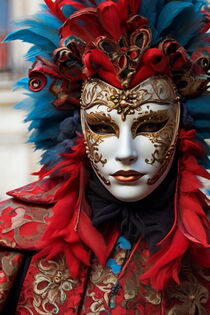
(123, 42)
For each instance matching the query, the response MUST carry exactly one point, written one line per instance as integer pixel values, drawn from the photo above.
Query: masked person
(117, 222)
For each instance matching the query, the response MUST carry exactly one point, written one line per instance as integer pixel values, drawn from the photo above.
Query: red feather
(92, 238)
(83, 24)
(201, 256)
(73, 264)
(191, 201)
(189, 182)
(165, 264)
(193, 227)
(156, 60)
(109, 16)
(192, 165)
(134, 6)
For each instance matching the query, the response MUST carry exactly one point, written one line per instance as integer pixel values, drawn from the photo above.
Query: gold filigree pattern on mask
(51, 286)
(148, 117)
(164, 142)
(158, 89)
(164, 165)
(92, 140)
(101, 118)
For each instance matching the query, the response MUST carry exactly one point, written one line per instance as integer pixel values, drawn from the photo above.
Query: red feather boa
(71, 232)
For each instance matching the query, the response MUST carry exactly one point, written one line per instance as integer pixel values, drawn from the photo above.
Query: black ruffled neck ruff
(150, 218)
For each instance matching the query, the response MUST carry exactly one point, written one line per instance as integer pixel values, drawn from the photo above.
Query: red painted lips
(127, 176)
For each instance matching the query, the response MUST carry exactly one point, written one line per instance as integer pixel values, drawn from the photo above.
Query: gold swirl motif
(126, 53)
(104, 280)
(161, 142)
(134, 289)
(157, 89)
(165, 144)
(92, 140)
(50, 286)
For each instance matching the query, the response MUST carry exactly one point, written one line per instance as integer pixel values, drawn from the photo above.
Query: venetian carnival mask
(130, 134)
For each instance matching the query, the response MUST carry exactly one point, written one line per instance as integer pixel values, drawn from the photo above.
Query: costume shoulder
(24, 217)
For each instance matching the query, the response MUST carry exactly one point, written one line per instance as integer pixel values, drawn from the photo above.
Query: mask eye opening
(101, 128)
(151, 126)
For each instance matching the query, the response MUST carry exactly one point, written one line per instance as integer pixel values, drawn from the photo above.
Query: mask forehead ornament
(159, 90)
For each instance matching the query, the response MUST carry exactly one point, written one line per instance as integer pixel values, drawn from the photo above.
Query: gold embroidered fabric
(17, 215)
(191, 296)
(51, 282)
(9, 266)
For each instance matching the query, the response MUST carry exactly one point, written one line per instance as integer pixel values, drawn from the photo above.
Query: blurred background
(17, 159)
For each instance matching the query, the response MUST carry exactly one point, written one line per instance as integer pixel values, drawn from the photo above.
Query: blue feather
(27, 104)
(185, 26)
(68, 10)
(30, 37)
(42, 145)
(49, 20)
(203, 135)
(42, 111)
(35, 51)
(35, 124)
(150, 9)
(46, 133)
(37, 27)
(204, 123)
(199, 105)
(169, 12)
(21, 83)
(52, 156)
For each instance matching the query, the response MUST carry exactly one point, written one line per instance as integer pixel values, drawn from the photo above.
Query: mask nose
(126, 152)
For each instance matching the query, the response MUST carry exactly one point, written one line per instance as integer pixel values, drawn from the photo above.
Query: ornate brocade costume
(48, 287)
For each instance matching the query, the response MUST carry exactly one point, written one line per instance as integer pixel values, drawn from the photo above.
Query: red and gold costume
(55, 258)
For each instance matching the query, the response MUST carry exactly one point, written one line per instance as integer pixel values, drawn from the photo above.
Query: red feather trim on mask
(190, 232)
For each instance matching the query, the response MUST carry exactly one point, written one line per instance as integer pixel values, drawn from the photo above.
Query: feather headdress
(123, 42)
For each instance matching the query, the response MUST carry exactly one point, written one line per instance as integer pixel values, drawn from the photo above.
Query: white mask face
(130, 135)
